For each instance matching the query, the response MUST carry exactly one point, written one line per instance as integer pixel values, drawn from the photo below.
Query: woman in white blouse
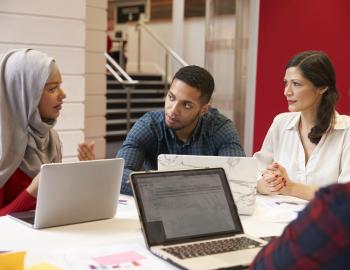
(308, 147)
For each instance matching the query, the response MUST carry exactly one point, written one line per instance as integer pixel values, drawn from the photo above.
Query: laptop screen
(187, 204)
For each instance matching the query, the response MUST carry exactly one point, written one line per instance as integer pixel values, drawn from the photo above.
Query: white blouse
(329, 162)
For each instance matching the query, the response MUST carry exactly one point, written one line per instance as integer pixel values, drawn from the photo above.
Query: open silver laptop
(241, 173)
(189, 218)
(75, 192)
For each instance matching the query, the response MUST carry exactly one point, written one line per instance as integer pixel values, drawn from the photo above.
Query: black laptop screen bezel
(135, 178)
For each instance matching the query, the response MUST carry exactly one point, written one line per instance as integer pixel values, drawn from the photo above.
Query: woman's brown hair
(317, 68)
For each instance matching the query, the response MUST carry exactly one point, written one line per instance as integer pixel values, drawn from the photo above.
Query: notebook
(189, 218)
(75, 192)
(241, 174)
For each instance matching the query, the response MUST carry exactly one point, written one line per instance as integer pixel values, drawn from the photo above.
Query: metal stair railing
(123, 77)
(128, 83)
(168, 50)
(115, 65)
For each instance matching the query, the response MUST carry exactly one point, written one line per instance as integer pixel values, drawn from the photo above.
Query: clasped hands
(275, 180)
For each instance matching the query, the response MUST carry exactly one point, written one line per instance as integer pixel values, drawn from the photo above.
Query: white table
(124, 228)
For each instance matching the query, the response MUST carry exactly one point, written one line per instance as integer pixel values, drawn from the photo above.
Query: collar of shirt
(194, 136)
(341, 121)
(294, 122)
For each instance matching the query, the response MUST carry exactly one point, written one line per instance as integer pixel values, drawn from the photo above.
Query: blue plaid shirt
(214, 135)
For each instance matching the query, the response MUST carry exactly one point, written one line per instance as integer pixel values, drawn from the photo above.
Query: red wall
(287, 27)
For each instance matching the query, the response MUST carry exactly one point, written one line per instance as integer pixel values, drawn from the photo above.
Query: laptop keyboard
(212, 247)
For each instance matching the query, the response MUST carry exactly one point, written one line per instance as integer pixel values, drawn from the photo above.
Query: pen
(293, 203)
(123, 201)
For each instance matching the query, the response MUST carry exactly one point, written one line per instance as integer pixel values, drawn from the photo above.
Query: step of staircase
(141, 77)
(147, 95)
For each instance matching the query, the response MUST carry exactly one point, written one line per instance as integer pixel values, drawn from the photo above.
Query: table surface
(268, 219)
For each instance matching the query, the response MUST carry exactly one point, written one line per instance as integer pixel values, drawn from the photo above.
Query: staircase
(147, 95)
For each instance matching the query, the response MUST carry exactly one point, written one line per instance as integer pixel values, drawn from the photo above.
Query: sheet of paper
(281, 216)
(12, 260)
(120, 256)
(281, 209)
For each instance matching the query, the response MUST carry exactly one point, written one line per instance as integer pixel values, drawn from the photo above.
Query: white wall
(220, 61)
(51, 27)
(251, 75)
(95, 105)
(153, 56)
(194, 37)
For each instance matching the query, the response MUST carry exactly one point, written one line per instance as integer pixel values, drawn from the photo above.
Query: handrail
(128, 80)
(162, 44)
(128, 84)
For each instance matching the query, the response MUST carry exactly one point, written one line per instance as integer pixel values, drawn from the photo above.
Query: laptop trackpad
(244, 257)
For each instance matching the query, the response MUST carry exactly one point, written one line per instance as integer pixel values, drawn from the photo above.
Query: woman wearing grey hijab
(30, 102)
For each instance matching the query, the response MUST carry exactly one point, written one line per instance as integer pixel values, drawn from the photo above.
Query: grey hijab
(26, 141)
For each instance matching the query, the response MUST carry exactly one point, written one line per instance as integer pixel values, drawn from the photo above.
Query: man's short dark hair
(198, 78)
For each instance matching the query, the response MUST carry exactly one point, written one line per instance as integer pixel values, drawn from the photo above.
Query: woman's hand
(270, 183)
(86, 151)
(274, 180)
(32, 189)
(288, 184)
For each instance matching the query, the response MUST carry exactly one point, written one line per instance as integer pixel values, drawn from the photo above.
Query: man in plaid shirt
(318, 239)
(186, 126)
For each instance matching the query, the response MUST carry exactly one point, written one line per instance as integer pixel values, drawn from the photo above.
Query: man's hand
(86, 151)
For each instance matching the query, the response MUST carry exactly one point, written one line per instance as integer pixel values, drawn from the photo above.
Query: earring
(322, 91)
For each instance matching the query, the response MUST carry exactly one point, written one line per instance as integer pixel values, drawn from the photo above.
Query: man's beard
(194, 119)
